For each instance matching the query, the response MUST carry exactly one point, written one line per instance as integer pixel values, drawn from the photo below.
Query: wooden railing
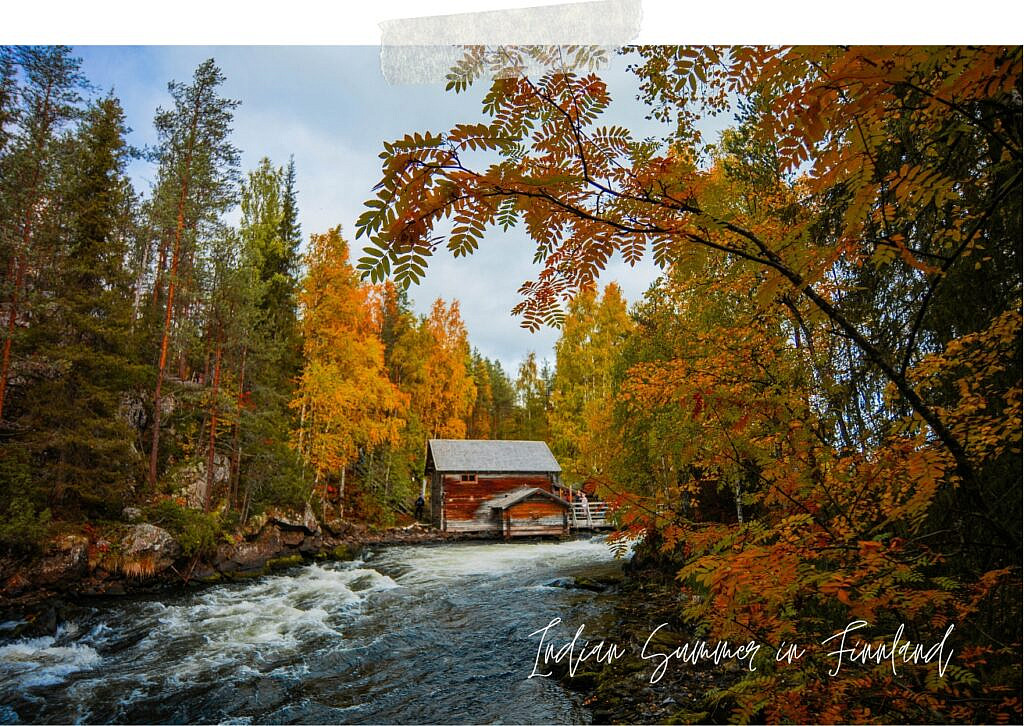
(592, 515)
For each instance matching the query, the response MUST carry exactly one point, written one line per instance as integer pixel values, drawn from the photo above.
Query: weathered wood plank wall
(462, 499)
(463, 503)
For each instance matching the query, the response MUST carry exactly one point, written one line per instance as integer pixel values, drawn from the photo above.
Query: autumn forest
(812, 417)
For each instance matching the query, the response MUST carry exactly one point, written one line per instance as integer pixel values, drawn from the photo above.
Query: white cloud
(331, 109)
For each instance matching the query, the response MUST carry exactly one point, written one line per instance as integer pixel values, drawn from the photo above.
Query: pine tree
(8, 96)
(478, 426)
(198, 171)
(289, 229)
(503, 402)
(269, 232)
(270, 359)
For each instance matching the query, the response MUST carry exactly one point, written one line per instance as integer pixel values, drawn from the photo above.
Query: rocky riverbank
(621, 691)
(36, 594)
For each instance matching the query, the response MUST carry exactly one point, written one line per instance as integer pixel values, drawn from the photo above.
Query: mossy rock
(631, 664)
(665, 640)
(244, 574)
(582, 681)
(279, 563)
(684, 716)
(344, 552)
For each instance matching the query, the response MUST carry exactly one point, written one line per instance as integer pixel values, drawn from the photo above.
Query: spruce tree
(85, 452)
(264, 469)
(37, 109)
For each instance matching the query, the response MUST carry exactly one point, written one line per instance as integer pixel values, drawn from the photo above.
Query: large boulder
(312, 544)
(133, 410)
(148, 550)
(254, 525)
(292, 520)
(68, 564)
(193, 480)
(250, 557)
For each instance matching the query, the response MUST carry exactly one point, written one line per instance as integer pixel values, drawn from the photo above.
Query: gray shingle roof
(475, 455)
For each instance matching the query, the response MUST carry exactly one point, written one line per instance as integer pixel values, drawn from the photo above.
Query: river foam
(410, 634)
(45, 661)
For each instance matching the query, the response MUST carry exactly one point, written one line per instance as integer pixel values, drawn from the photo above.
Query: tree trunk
(158, 279)
(211, 454)
(341, 495)
(179, 228)
(236, 451)
(137, 295)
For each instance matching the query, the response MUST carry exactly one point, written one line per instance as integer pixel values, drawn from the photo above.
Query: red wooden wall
(462, 500)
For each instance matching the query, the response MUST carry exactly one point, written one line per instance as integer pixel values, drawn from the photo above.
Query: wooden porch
(593, 515)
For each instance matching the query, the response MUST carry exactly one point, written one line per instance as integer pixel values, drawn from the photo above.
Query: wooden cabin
(504, 488)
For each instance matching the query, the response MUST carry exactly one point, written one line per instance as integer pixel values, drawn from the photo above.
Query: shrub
(197, 532)
(22, 529)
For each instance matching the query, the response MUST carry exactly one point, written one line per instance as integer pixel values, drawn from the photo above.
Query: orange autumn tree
(445, 400)
(852, 257)
(344, 398)
(582, 389)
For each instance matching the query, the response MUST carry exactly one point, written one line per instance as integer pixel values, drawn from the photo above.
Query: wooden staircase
(592, 515)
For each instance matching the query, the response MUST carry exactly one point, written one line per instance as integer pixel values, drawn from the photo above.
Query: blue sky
(332, 109)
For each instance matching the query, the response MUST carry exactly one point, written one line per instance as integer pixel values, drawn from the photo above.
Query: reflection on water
(433, 634)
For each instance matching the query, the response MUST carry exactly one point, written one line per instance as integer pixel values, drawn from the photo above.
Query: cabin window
(469, 478)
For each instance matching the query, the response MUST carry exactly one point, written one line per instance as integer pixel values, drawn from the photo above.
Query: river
(415, 634)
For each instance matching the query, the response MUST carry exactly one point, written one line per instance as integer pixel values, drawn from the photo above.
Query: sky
(331, 108)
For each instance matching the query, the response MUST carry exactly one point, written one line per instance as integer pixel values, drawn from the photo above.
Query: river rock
(67, 565)
(292, 520)
(311, 544)
(150, 544)
(580, 583)
(339, 527)
(205, 573)
(247, 557)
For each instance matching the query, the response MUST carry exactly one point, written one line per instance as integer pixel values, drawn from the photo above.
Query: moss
(244, 574)
(582, 681)
(344, 552)
(684, 716)
(197, 532)
(278, 563)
